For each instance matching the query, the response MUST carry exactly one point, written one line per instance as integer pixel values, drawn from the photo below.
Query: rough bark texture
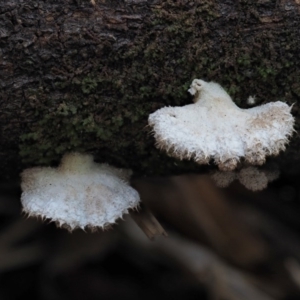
(78, 77)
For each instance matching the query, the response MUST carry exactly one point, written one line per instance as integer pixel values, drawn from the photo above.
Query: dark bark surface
(78, 77)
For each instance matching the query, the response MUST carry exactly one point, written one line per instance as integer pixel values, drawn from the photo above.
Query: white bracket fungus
(215, 128)
(79, 193)
(250, 177)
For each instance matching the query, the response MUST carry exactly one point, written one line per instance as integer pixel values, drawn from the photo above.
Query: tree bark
(81, 77)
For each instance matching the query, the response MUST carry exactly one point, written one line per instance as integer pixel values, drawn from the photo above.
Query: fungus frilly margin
(215, 128)
(79, 193)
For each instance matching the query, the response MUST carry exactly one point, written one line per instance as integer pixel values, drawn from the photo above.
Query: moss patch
(112, 79)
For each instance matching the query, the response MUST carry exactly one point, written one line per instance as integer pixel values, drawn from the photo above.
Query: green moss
(105, 111)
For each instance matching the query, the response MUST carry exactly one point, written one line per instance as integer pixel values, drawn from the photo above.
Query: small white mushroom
(79, 193)
(251, 177)
(223, 179)
(215, 128)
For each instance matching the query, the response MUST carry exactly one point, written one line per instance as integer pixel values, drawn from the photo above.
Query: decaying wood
(194, 206)
(81, 77)
(229, 224)
(148, 223)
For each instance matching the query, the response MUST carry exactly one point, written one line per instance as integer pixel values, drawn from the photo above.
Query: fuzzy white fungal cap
(79, 193)
(215, 128)
(223, 179)
(251, 177)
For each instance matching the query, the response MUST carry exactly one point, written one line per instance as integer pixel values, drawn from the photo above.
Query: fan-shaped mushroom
(215, 128)
(79, 193)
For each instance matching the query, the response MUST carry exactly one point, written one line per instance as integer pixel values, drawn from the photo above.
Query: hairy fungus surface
(252, 178)
(214, 128)
(223, 179)
(79, 193)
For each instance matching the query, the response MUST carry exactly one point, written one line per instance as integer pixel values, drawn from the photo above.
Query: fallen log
(81, 77)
